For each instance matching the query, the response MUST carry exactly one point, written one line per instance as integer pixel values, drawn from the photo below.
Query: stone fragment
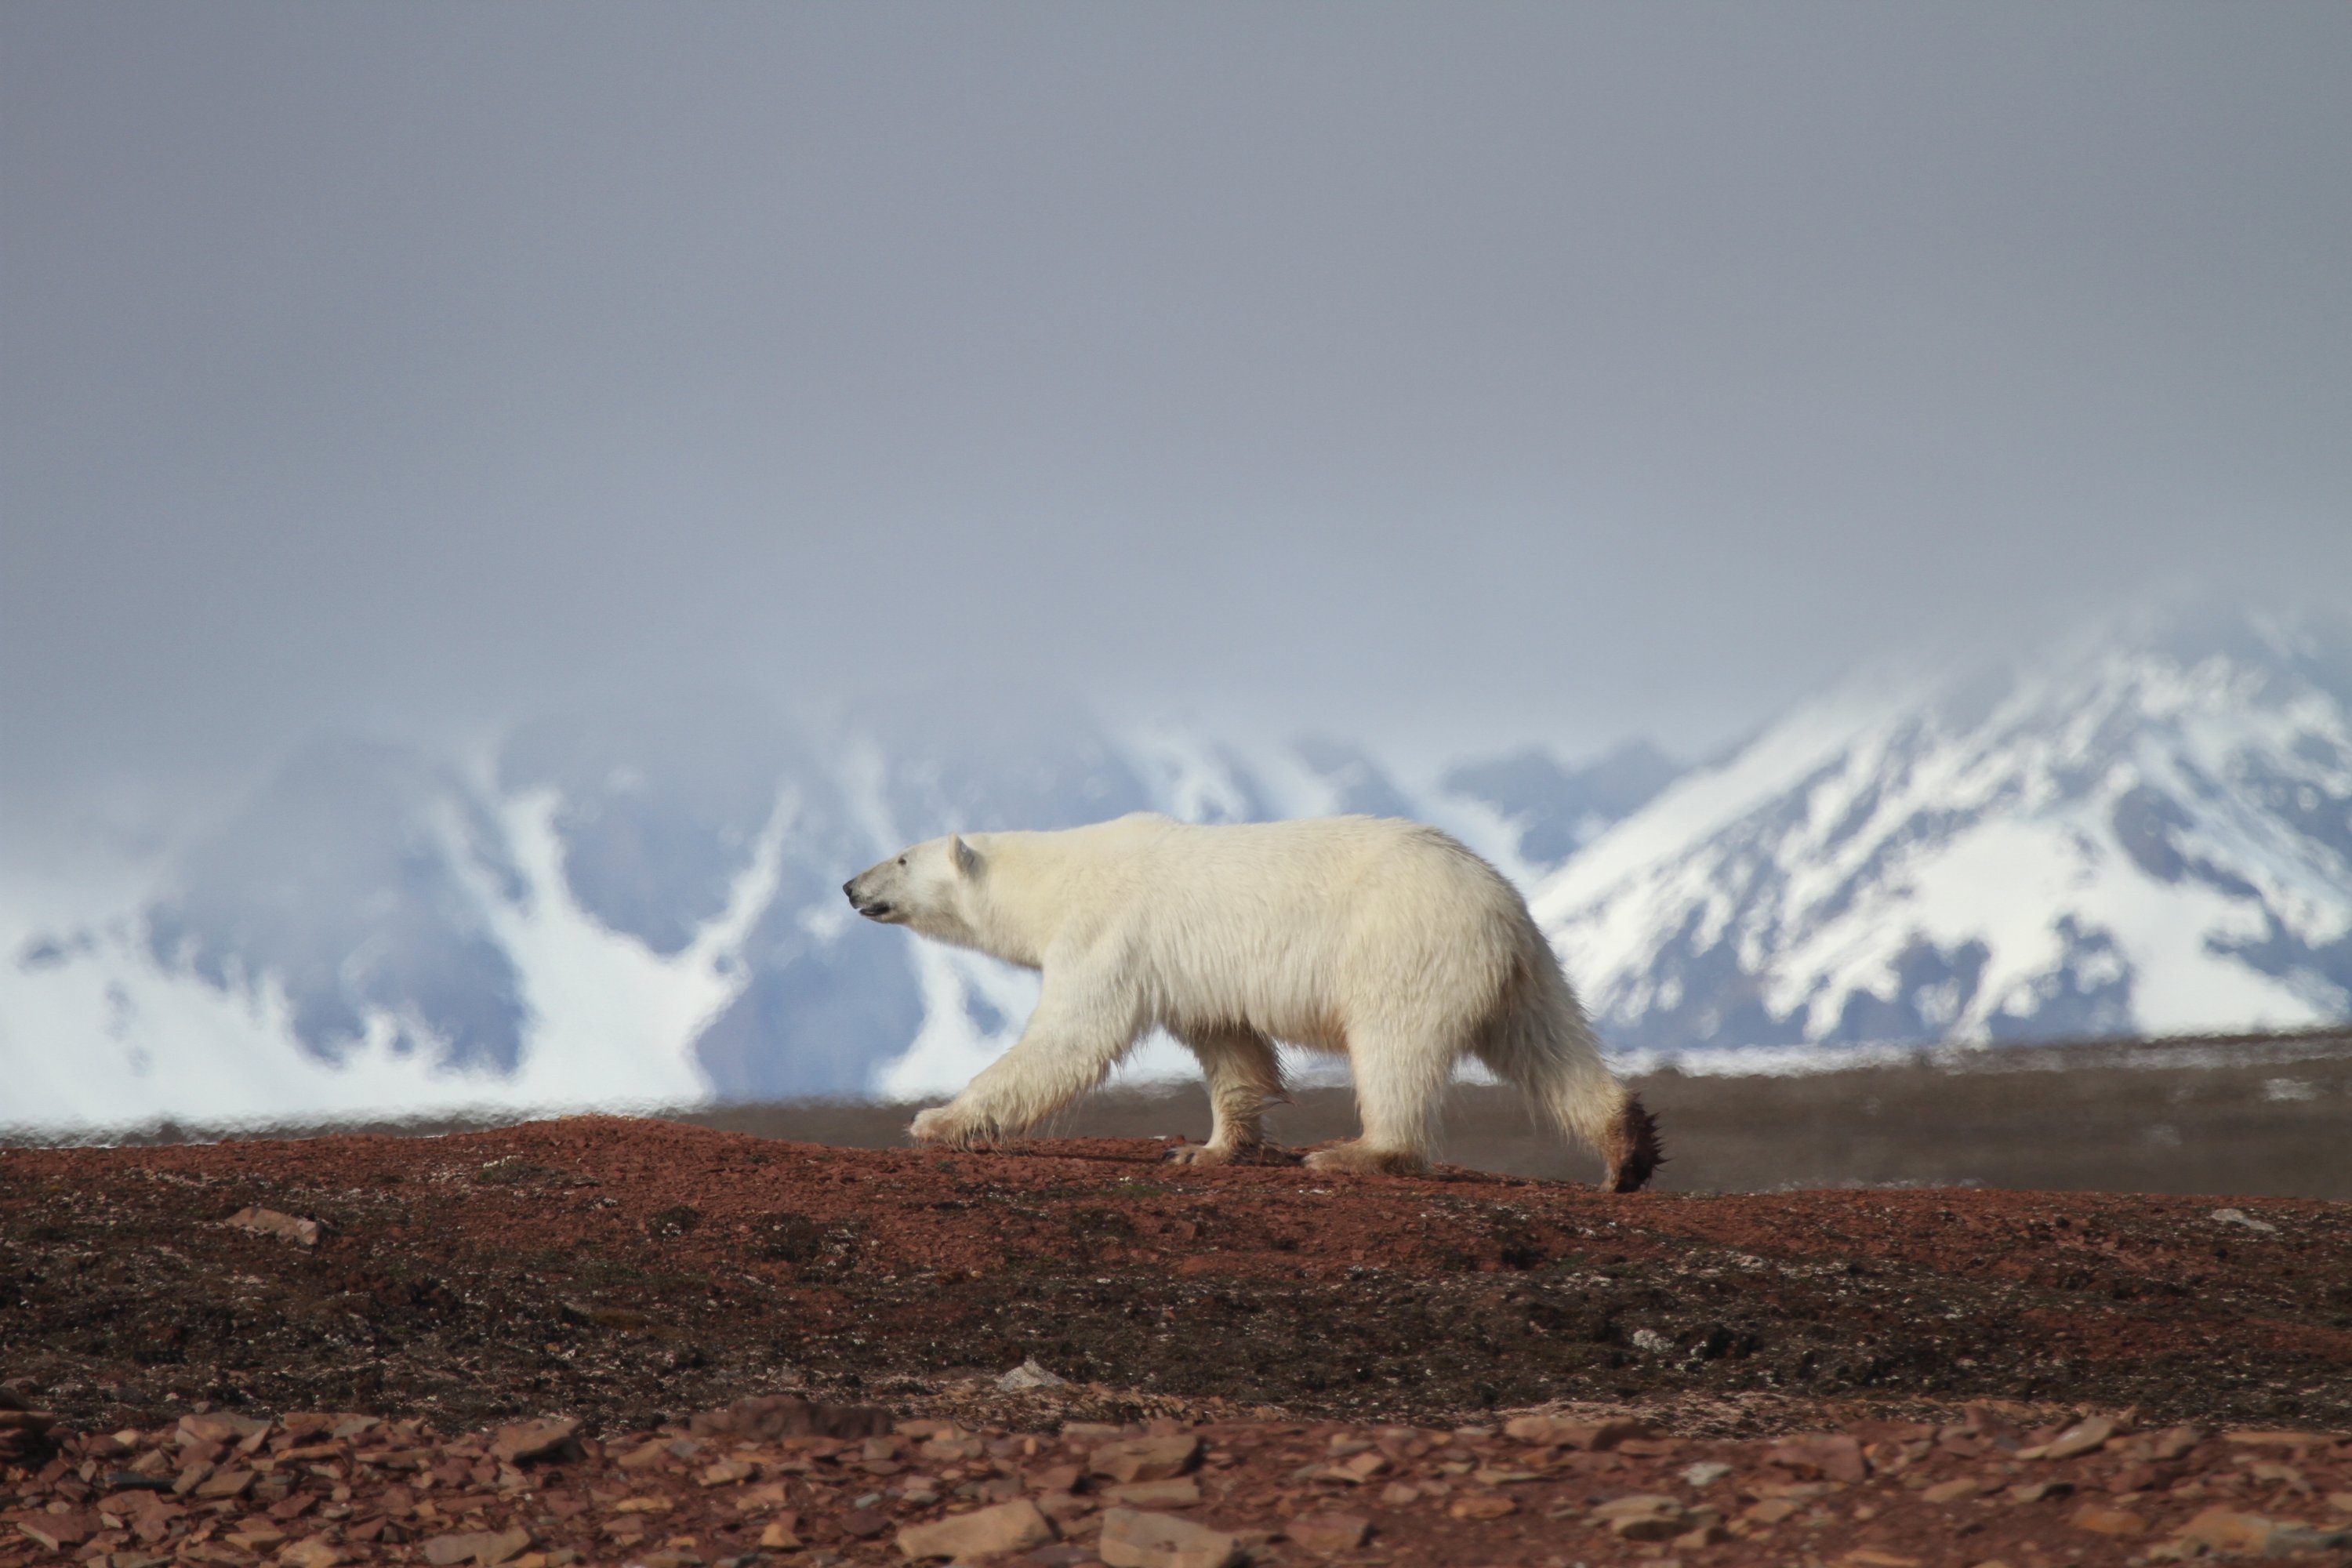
(2294, 1481)
(780, 1535)
(863, 1524)
(502, 1546)
(1640, 1505)
(1866, 1557)
(2034, 1491)
(1482, 1505)
(996, 1531)
(767, 1495)
(317, 1551)
(1987, 1422)
(56, 1531)
(24, 1433)
(269, 1222)
(550, 1438)
(1181, 1492)
(1145, 1458)
(1644, 1516)
(1131, 1539)
(1772, 1511)
(2102, 1519)
(1704, 1474)
(218, 1426)
(2227, 1529)
(1057, 1479)
(1650, 1447)
(1488, 1475)
(2241, 1217)
(770, 1415)
(1329, 1533)
(1707, 1534)
(1358, 1469)
(1833, 1455)
(222, 1484)
(2080, 1438)
(1959, 1490)
(2175, 1443)
(2294, 1539)
(1551, 1432)
(644, 1505)
(1029, 1374)
(727, 1473)
(952, 1447)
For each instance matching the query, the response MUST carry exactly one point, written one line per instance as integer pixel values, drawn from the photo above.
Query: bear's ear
(963, 856)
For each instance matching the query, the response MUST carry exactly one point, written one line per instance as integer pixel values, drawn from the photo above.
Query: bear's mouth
(877, 909)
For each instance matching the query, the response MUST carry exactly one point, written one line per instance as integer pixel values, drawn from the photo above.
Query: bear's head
(932, 888)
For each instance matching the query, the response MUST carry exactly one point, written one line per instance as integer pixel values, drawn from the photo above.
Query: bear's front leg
(1084, 1023)
(940, 1124)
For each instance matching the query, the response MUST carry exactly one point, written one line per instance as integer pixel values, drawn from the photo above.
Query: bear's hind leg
(1399, 1083)
(1244, 1073)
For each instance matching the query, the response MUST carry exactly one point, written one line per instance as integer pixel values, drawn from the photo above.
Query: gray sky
(1432, 372)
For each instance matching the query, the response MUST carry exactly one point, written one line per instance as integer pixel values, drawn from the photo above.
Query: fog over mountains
(2150, 830)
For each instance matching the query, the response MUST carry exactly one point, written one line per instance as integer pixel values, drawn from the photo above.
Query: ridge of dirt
(623, 1272)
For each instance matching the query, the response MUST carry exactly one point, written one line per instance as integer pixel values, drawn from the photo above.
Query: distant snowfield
(609, 1022)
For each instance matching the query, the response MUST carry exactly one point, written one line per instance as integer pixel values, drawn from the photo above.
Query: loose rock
(1029, 1374)
(985, 1532)
(1329, 1533)
(529, 1441)
(269, 1222)
(1134, 1540)
(1146, 1458)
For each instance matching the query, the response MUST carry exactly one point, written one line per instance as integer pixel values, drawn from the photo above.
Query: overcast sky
(1432, 372)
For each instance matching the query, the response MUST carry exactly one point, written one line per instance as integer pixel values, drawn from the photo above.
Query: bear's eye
(902, 860)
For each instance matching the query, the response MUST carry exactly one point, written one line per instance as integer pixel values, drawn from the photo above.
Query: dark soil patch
(625, 1270)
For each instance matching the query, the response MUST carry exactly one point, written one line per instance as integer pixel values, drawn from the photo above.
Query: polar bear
(1382, 940)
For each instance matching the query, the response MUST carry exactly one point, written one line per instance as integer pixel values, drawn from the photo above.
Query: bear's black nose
(849, 889)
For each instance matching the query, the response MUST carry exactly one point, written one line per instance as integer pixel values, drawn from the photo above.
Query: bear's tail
(1542, 1042)
(1633, 1153)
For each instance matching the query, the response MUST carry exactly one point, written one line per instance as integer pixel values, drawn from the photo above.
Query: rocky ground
(307, 1351)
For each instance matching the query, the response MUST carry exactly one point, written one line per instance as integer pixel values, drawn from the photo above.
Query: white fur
(1383, 939)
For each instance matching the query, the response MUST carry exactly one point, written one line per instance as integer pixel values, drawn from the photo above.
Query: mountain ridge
(2150, 831)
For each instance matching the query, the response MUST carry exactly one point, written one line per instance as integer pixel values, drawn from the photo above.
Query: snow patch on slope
(2083, 847)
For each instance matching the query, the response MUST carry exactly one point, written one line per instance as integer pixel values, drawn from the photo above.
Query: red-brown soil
(629, 1273)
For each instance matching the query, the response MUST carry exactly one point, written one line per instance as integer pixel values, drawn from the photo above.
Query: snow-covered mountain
(2149, 831)
(2152, 831)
